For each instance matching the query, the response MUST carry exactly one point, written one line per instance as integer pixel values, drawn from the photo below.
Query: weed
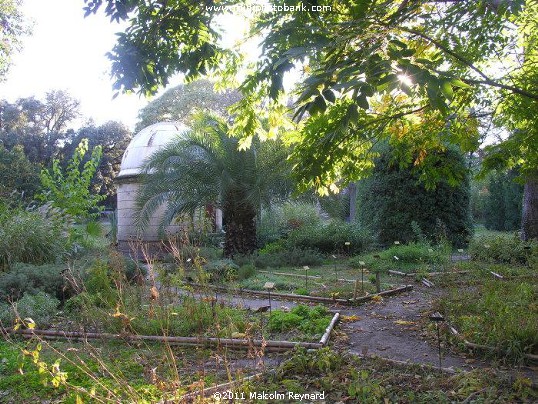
(31, 235)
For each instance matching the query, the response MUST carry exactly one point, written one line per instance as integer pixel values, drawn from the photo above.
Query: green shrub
(281, 321)
(210, 253)
(301, 291)
(133, 270)
(31, 279)
(244, 259)
(309, 320)
(246, 271)
(416, 253)
(32, 235)
(69, 189)
(273, 247)
(278, 221)
(291, 257)
(77, 304)
(224, 269)
(331, 238)
(504, 249)
(41, 308)
(98, 283)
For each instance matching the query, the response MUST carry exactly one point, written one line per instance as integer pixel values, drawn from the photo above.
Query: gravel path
(392, 329)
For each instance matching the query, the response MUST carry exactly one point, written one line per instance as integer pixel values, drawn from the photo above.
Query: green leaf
(362, 101)
(329, 95)
(459, 83)
(446, 89)
(317, 106)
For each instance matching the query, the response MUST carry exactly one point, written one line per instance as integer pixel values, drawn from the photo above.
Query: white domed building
(142, 146)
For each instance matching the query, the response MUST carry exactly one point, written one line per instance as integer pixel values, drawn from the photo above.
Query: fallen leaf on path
(377, 299)
(350, 319)
(404, 322)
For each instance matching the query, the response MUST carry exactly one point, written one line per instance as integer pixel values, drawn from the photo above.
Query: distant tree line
(35, 132)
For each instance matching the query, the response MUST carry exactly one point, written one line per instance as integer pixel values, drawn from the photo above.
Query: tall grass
(31, 235)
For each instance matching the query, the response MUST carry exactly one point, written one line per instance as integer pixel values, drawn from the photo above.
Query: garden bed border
(238, 343)
(289, 296)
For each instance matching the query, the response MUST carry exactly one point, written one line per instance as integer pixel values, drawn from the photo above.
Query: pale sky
(67, 52)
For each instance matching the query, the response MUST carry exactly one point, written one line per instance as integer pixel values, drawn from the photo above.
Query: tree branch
(486, 79)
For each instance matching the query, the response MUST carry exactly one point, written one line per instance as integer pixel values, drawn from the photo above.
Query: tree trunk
(239, 219)
(529, 220)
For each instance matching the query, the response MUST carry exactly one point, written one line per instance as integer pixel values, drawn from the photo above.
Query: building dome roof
(145, 143)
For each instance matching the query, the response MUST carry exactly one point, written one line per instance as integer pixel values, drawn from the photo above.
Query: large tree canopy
(12, 28)
(367, 64)
(418, 74)
(40, 127)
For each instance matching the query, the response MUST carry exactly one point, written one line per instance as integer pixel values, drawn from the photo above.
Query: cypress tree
(392, 198)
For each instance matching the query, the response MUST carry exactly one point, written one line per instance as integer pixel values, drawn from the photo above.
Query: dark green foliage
(329, 238)
(279, 220)
(25, 279)
(336, 206)
(246, 271)
(38, 127)
(309, 320)
(504, 249)
(295, 256)
(133, 270)
(394, 197)
(39, 307)
(18, 173)
(503, 202)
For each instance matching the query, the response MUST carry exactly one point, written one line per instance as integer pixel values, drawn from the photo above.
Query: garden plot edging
(314, 277)
(328, 300)
(399, 273)
(268, 345)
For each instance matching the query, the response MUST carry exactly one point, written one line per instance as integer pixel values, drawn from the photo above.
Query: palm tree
(205, 167)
